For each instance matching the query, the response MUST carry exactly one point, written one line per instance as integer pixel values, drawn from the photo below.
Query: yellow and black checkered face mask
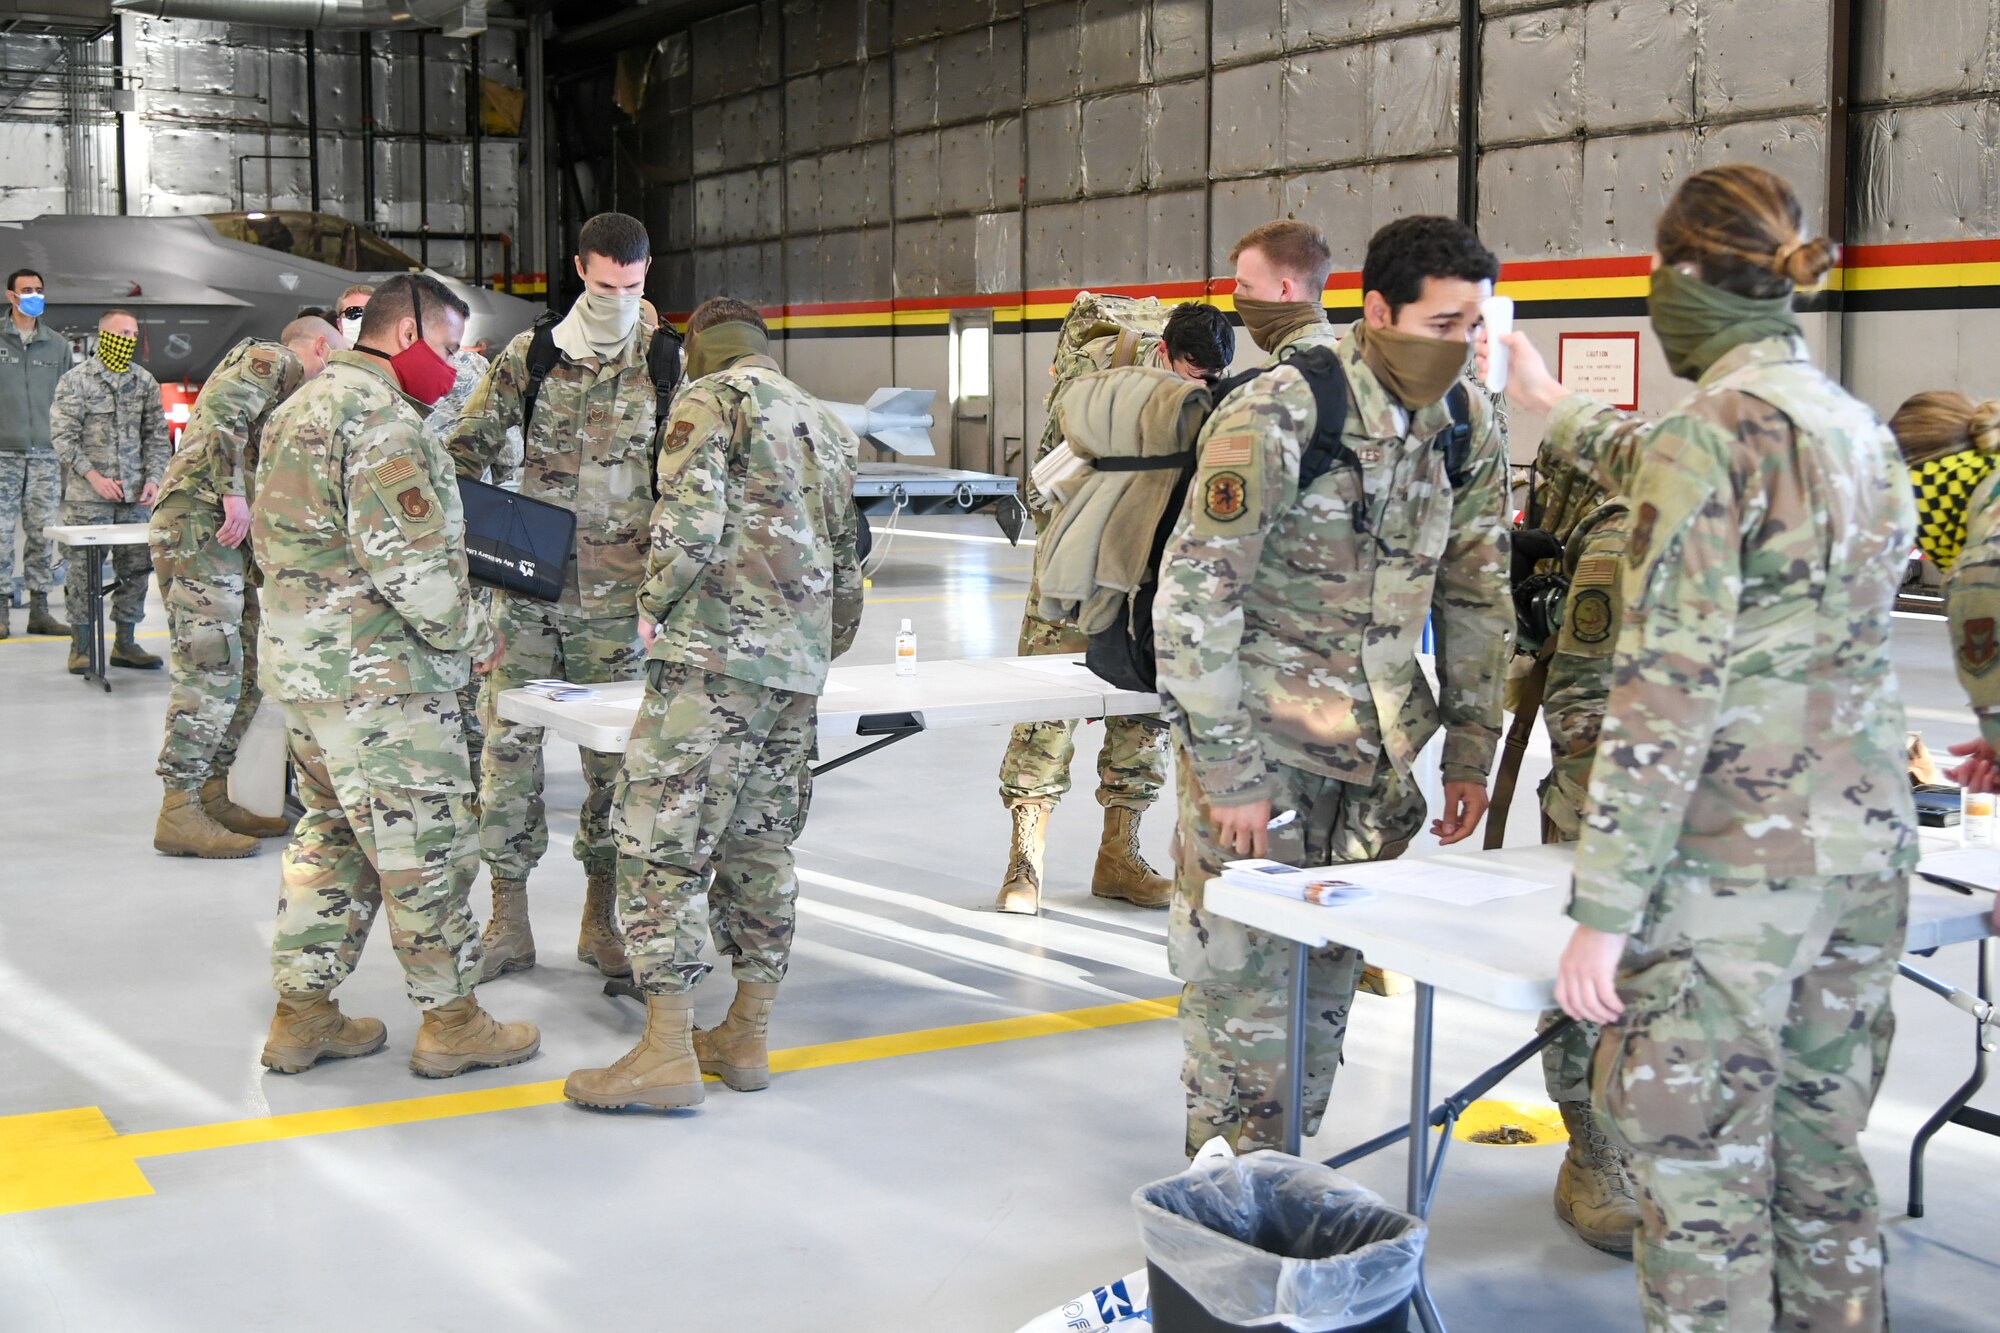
(115, 351)
(1944, 486)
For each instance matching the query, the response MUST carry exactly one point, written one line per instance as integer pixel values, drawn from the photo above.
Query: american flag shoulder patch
(1596, 571)
(1227, 451)
(400, 468)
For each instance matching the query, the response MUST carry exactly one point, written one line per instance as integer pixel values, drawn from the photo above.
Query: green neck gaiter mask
(1269, 323)
(1698, 323)
(1417, 371)
(719, 344)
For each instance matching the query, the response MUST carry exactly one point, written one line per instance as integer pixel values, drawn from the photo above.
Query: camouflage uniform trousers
(468, 699)
(212, 654)
(538, 641)
(1566, 1060)
(30, 499)
(1132, 766)
(388, 824)
(715, 790)
(1756, 1034)
(130, 564)
(1236, 993)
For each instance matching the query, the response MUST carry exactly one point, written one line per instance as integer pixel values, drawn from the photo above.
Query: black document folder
(514, 542)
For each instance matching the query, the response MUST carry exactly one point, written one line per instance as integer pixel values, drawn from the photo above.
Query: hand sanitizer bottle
(906, 651)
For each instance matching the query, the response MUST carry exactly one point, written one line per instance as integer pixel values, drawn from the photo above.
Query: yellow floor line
(53, 1159)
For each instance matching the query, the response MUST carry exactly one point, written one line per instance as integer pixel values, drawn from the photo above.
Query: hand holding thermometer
(1498, 312)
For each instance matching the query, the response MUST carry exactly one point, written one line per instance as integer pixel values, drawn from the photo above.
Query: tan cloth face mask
(1416, 370)
(1269, 323)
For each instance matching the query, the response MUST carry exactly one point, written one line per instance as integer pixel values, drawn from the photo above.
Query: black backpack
(1123, 653)
(663, 363)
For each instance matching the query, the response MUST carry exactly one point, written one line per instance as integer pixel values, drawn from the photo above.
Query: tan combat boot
(1021, 891)
(1374, 981)
(126, 652)
(79, 656)
(597, 943)
(185, 829)
(309, 1025)
(507, 943)
(1121, 871)
(215, 800)
(660, 1071)
(459, 1036)
(1593, 1189)
(738, 1050)
(40, 621)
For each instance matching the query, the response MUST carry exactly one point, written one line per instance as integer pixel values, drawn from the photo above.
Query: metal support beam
(312, 118)
(1842, 57)
(536, 214)
(473, 126)
(364, 43)
(1471, 28)
(423, 158)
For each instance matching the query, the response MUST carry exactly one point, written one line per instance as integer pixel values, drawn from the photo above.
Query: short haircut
(1409, 250)
(306, 328)
(21, 273)
(619, 237)
(724, 310)
(1201, 334)
(360, 289)
(113, 313)
(396, 300)
(1299, 248)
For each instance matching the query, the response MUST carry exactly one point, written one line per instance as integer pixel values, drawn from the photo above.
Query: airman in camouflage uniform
(209, 589)
(1594, 1192)
(1287, 627)
(755, 585)
(589, 449)
(1132, 766)
(442, 419)
(369, 629)
(1751, 830)
(33, 358)
(109, 425)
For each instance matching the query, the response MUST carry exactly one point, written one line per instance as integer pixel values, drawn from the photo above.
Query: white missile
(896, 419)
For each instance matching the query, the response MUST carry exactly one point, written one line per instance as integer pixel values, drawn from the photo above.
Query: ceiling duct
(455, 18)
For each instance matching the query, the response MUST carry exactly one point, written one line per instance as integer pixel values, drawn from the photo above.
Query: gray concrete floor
(962, 1188)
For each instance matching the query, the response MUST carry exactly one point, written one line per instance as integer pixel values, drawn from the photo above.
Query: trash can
(1270, 1241)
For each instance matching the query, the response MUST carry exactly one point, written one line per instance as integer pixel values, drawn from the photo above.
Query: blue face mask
(32, 304)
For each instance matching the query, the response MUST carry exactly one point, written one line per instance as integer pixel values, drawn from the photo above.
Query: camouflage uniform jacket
(1287, 625)
(358, 530)
(753, 573)
(218, 453)
(588, 449)
(1754, 729)
(1579, 668)
(110, 424)
(1972, 601)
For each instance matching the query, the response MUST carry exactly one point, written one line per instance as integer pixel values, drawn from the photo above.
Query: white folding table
(96, 541)
(1505, 953)
(873, 701)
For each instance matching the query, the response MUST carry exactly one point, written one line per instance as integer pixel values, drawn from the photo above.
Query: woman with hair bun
(1950, 444)
(1742, 877)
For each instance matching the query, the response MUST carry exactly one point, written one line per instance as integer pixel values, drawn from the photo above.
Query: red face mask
(424, 375)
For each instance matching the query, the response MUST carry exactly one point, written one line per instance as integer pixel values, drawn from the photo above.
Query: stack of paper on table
(1362, 880)
(559, 690)
(1326, 887)
(1963, 868)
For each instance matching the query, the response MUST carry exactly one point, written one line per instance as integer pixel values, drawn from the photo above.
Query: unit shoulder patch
(1642, 534)
(1590, 615)
(1225, 496)
(263, 367)
(415, 504)
(1978, 646)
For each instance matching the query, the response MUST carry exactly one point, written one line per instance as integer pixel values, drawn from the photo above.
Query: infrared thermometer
(1498, 312)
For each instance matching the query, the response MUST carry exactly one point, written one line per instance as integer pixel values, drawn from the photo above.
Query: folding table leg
(1956, 1109)
(98, 666)
(1295, 1049)
(1418, 1195)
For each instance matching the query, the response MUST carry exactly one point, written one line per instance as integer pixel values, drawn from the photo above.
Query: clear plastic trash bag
(1269, 1239)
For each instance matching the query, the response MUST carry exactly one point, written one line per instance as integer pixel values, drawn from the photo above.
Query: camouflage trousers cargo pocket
(201, 584)
(420, 812)
(1682, 1074)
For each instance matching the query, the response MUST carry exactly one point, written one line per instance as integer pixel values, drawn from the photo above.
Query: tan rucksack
(1133, 320)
